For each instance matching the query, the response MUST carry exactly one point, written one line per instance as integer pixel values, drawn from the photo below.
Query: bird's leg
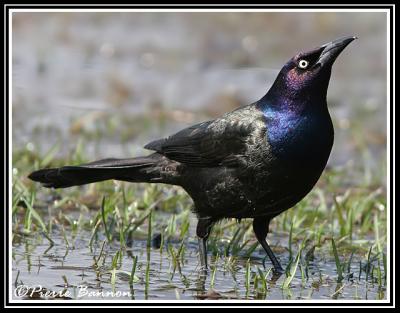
(261, 228)
(203, 252)
(203, 231)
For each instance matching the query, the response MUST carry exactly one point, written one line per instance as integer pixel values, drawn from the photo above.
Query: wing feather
(207, 144)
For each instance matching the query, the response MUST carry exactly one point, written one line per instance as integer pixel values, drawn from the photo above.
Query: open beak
(332, 49)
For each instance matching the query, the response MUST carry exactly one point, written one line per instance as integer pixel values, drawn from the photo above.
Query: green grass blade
(337, 262)
(292, 272)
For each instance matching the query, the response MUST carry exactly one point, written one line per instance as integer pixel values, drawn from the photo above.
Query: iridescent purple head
(306, 75)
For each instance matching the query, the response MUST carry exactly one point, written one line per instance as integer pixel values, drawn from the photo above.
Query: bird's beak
(331, 50)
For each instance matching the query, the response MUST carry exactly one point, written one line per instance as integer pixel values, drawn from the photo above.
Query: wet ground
(71, 273)
(109, 83)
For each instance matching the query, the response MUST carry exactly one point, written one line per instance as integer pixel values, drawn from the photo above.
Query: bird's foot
(276, 274)
(278, 271)
(203, 271)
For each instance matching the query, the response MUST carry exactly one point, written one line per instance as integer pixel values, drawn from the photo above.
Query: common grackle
(254, 162)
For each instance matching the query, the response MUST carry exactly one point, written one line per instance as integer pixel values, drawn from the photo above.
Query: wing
(208, 144)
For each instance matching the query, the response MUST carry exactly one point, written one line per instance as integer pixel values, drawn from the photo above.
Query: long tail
(139, 169)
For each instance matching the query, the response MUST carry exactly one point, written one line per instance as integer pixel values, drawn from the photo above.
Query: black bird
(254, 162)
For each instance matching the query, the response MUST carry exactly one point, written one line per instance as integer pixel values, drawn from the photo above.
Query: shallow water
(71, 272)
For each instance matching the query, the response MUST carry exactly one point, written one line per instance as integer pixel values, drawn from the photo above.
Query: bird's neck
(293, 101)
(292, 107)
(296, 128)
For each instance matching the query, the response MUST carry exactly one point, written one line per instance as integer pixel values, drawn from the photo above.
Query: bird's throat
(298, 133)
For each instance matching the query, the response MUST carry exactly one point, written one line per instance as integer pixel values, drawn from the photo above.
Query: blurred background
(111, 82)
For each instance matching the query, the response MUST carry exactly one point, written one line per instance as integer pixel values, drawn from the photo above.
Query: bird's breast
(303, 138)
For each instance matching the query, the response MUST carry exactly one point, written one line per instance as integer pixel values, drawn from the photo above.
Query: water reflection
(59, 268)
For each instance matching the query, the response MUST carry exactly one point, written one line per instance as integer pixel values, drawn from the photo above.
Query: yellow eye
(303, 64)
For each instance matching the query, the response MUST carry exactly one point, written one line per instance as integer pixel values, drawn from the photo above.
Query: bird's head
(307, 74)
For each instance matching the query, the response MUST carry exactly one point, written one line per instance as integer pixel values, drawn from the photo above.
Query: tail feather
(135, 169)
